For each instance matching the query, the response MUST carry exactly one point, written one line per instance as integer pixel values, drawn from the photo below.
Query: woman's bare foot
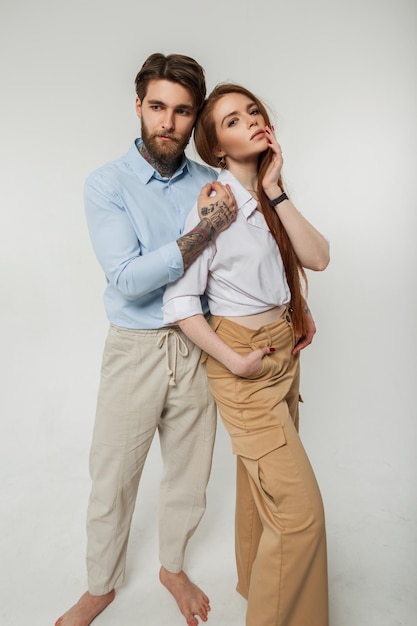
(86, 609)
(190, 599)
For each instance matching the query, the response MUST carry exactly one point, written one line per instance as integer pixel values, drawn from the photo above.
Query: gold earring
(222, 162)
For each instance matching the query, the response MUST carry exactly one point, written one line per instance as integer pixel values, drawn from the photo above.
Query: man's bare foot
(86, 609)
(190, 599)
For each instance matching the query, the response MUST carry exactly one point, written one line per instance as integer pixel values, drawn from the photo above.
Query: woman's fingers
(273, 141)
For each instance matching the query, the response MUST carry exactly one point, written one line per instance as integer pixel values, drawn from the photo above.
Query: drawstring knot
(180, 347)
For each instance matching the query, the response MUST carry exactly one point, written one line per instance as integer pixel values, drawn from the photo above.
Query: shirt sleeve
(117, 247)
(182, 298)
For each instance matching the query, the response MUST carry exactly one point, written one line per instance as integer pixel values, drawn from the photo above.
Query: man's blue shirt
(134, 217)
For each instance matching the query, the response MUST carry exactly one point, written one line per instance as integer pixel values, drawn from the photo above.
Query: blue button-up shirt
(134, 217)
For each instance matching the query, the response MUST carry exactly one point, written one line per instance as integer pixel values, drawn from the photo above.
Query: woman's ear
(219, 152)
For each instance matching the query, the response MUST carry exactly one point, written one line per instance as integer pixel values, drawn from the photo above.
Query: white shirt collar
(245, 201)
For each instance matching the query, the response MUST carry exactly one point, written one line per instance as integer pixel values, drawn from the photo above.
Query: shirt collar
(245, 201)
(144, 170)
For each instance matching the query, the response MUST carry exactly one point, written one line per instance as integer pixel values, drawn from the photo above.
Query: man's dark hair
(176, 68)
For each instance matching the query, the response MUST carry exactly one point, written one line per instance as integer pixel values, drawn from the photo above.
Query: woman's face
(240, 128)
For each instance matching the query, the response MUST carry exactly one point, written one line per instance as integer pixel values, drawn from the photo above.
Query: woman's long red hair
(205, 139)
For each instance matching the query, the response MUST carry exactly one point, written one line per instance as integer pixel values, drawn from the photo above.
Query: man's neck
(164, 168)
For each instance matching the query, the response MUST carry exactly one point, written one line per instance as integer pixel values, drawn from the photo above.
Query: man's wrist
(206, 227)
(206, 233)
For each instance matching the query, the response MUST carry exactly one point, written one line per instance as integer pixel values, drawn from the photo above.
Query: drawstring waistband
(180, 347)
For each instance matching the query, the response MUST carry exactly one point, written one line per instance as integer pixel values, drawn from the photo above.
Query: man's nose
(168, 122)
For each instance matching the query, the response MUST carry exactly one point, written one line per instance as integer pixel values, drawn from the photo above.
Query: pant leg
(248, 529)
(285, 587)
(131, 398)
(248, 525)
(187, 432)
(288, 584)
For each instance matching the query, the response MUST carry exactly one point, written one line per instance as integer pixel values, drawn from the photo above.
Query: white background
(340, 78)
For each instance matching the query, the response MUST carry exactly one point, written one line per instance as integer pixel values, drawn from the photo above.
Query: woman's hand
(303, 342)
(199, 331)
(311, 248)
(272, 179)
(250, 365)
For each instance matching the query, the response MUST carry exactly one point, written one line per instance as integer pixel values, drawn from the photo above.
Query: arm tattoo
(193, 243)
(218, 219)
(207, 210)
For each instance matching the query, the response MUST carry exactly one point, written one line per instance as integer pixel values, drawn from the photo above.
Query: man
(151, 376)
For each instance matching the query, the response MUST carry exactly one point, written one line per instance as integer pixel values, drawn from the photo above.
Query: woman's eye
(232, 123)
(254, 112)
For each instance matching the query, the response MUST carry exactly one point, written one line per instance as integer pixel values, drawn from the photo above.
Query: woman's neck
(246, 174)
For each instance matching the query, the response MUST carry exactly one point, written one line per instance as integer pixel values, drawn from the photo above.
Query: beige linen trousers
(151, 380)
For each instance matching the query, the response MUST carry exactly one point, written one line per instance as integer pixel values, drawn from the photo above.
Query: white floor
(43, 541)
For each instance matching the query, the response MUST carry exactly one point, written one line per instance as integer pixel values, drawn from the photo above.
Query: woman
(252, 275)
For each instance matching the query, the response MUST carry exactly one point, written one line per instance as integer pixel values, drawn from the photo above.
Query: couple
(146, 235)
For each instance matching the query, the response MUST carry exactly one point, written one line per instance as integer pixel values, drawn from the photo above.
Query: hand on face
(271, 180)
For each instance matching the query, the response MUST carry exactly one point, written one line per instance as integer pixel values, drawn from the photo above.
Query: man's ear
(138, 107)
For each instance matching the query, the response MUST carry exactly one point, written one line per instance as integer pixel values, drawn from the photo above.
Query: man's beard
(164, 152)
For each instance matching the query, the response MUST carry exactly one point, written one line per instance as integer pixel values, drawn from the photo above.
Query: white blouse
(241, 271)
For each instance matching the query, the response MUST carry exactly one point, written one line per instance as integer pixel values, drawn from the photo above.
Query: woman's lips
(258, 133)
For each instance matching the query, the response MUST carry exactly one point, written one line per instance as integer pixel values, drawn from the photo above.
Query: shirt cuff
(172, 258)
(181, 307)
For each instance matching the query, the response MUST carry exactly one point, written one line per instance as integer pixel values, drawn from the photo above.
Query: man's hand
(219, 207)
(305, 341)
(216, 213)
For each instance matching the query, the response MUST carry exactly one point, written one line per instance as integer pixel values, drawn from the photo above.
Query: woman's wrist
(273, 191)
(276, 201)
(236, 364)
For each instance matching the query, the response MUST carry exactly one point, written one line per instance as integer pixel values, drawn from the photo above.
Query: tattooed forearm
(193, 243)
(216, 217)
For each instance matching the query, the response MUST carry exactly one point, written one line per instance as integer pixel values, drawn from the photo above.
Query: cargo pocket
(256, 444)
